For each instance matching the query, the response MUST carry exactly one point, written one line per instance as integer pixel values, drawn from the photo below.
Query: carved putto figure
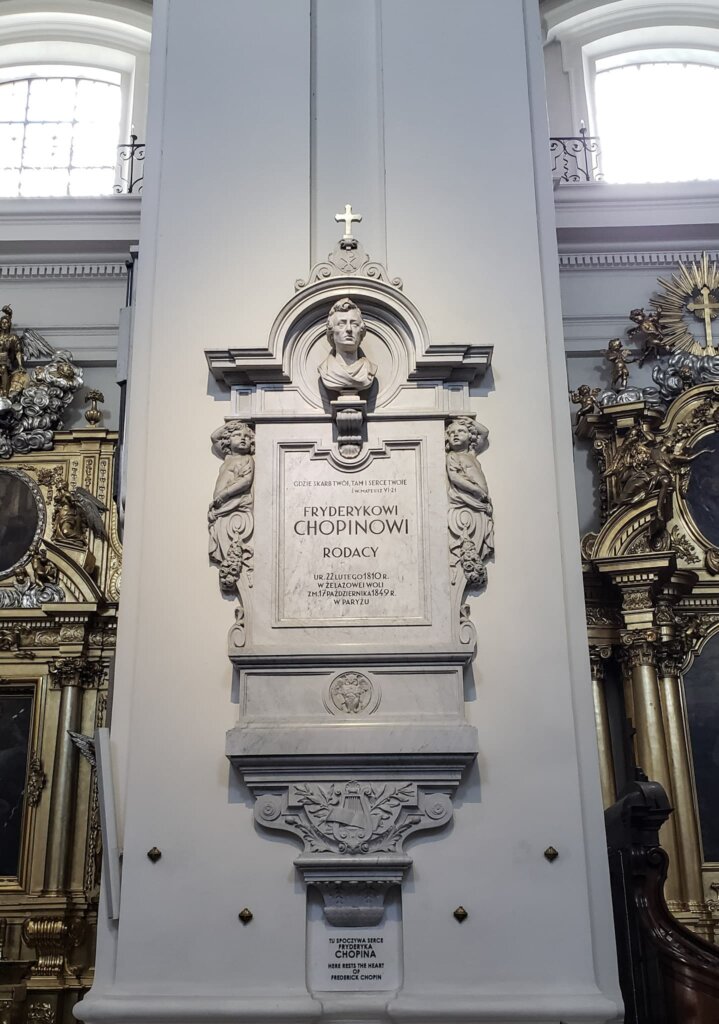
(345, 369)
(648, 330)
(12, 363)
(230, 516)
(586, 398)
(471, 523)
(620, 358)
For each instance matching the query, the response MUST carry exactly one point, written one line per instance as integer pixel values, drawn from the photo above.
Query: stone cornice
(70, 272)
(647, 260)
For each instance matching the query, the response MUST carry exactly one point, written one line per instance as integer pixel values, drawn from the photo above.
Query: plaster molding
(31, 273)
(646, 260)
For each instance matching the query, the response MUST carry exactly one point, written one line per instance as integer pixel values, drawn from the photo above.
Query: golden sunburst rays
(692, 293)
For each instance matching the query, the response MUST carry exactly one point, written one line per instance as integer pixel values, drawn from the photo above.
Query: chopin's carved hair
(344, 306)
(221, 437)
(478, 433)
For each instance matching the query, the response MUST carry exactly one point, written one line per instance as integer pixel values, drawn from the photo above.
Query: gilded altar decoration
(74, 513)
(32, 401)
(648, 332)
(619, 357)
(471, 522)
(231, 512)
(692, 294)
(586, 398)
(650, 576)
(60, 558)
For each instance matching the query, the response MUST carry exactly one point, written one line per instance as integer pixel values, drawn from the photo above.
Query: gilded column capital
(79, 672)
(639, 650)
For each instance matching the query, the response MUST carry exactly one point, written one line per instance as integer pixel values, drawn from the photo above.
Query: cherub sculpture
(230, 516)
(648, 330)
(619, 357)
(585, 397)
(75, 512)
(471, 523)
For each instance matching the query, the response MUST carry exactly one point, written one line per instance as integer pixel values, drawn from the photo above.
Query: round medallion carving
(352, 693)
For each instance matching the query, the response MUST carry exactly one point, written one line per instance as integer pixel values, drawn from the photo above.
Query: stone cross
(705, 310)
(347, 217)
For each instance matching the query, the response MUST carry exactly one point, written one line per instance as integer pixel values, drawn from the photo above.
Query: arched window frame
(87, 34)
(630, 31)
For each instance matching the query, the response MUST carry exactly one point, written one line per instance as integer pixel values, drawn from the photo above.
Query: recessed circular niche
(22, 519)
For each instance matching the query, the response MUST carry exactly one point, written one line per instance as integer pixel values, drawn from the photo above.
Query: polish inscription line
(352, 545)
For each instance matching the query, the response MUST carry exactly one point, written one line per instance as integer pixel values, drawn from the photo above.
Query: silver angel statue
(471, 523)
(230, 516)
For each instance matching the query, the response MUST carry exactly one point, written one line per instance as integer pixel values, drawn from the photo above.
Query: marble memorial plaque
(351, 543)
(354, 959)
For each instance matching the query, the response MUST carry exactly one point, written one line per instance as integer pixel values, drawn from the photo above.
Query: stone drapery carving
(471, 524)
(231, 515)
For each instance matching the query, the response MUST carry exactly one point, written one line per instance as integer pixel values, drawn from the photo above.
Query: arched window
(73, 87)
(646, 115)
(59, 130)
(638, 74)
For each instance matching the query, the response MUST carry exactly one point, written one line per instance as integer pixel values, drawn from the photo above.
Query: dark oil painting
(18, 519)
(703, 491)
(701, 686)
(15, 725)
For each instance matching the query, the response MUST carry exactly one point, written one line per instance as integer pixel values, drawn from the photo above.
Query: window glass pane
(51, 99)
(47, 145)
(13, 101)
(94, 145)
(9, 183)
(72, 123)
(97, 101)
(11, 142)
(44, 183)
(648, 126)
(95, 182)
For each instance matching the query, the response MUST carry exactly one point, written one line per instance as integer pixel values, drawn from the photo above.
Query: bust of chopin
(345, 369)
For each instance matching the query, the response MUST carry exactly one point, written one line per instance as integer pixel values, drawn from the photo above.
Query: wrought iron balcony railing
(576, 157)
(130, 167)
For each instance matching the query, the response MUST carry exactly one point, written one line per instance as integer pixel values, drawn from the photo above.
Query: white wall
(397, 125)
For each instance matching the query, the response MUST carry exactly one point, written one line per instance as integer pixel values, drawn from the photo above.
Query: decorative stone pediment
(397, 340)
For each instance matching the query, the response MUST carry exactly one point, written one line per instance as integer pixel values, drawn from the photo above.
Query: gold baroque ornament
(41, 1013)
(692, 292)
(36, 781)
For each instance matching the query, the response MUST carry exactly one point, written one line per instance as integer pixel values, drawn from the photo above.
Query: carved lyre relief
(231, 516)
(471, 522)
